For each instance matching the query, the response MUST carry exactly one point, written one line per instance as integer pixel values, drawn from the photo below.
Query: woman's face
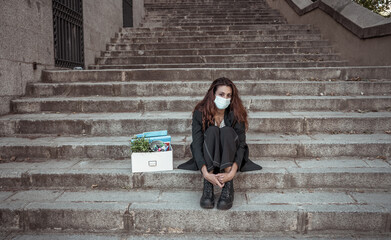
(224, 92)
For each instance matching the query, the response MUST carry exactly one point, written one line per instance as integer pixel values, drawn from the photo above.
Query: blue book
(166, 139)
(152, 134)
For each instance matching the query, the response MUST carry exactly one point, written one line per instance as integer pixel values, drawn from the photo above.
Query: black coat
(242, 153)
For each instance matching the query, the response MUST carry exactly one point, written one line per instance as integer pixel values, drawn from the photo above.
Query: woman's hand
(210, 177)
(228, 175)
(225, 177)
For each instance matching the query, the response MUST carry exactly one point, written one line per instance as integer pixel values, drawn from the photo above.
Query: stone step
(160, 2)
(192, 3)
(179, 3)
(220, 51)
(284, 173)
(220, 28)
(215, 12)
(165, 212)
(246, 65)
(233, 33)
(206, 6)
(241, 46)
(178, 21)
(238, 58)
(212, 38)
(255, 10)
(178, 104)
(351, 73)
(212, 21)
(166, 2)
(197, 88)
(205, 17)
(152, 24)
(185, 14)
(195, 3)
(265, 145)
(190, 236)
(232, 6)
(250, 8)
(117, 124)
(234, 10)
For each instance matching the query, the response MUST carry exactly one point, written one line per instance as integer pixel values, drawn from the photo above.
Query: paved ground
(97, 236)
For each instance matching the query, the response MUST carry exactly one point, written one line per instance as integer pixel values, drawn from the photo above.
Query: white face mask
(222, 103)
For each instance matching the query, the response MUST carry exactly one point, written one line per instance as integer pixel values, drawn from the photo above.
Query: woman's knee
(212, 130)
(227, 131)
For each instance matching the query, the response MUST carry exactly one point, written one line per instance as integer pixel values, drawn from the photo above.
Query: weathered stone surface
(99, 124)
(341, 73)
(36, 196)
(304, 198)
(11, 215)
(5, 195)
(177, 104)
(190, 236)
(270, 145)
(194, 88)
(114, 196)
(339, 173)
(350, 217)
(77, 216)
(184, 217)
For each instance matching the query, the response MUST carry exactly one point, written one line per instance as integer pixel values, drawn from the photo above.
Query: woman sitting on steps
(219, 142)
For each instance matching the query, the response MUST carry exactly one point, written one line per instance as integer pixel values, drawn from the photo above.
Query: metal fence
(68, 33)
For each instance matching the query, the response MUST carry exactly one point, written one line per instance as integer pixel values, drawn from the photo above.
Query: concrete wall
(138, 12)
(102, 19)
(360, 52)
(26, 36)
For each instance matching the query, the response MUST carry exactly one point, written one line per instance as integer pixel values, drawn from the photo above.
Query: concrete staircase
(321, 130)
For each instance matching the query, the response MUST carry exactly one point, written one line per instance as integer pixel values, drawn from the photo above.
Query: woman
(219, 142)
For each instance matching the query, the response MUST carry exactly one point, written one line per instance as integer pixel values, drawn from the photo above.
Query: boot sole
(225, 207)
(208, 207)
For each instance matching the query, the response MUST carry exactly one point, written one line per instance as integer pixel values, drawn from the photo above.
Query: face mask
(222, 103)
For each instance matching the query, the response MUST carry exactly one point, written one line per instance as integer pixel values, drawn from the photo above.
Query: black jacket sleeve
(198, 139)
(240, 130)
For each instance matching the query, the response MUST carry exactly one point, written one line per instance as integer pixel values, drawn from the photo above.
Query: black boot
(208, 197)
(227, 196)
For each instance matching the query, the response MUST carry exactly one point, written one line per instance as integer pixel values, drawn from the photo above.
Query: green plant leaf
(140, 145)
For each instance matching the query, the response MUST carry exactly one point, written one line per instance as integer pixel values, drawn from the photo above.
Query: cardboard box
(152, 161)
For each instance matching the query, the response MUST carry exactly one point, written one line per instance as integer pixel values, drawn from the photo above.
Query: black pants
(220, 145)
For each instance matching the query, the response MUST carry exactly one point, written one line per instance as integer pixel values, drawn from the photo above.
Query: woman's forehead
(225, 89)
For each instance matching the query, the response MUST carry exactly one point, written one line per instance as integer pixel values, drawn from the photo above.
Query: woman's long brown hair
(209, 109)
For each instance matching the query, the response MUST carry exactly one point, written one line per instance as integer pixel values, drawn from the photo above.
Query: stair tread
(269, 165)
(186, 115)
(218, 42)
(233, 55)
(239, 81)
(42, 235)
(291, 197)
(262, 138)
(173, 98)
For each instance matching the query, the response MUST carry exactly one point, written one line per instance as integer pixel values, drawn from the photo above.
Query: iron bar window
(68, 33)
